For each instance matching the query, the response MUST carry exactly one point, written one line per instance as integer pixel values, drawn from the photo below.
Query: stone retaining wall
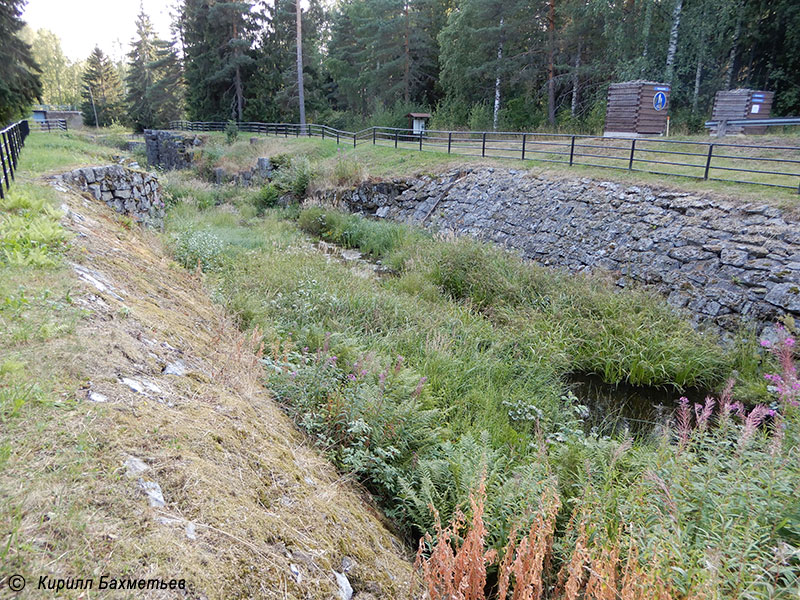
(169, 149)
(130, 192)
(718, 259)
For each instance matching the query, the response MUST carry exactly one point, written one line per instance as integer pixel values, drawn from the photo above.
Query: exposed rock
(96, 397)
(134, 384)
(135, 466)
(345, 589)
(176, 368)
(153, 492)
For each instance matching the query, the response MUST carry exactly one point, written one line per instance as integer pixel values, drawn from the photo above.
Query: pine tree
(20, 82)
(102, 91)
(386, 51)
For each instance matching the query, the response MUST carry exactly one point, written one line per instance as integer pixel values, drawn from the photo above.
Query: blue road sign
(659, 100)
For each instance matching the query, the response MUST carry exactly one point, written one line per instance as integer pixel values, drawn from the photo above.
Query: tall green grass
(457, 365)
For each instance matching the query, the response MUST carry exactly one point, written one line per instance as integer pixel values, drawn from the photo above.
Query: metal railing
(771, 166)
(12, 139)
(722, 125)
(51, 124)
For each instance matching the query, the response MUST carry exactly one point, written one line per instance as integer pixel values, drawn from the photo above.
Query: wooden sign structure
(417, 122)
(637, 108)
(741, 104)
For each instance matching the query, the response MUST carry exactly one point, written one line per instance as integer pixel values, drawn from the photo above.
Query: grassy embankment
(343, 164)
(419, 382)
(270, 518)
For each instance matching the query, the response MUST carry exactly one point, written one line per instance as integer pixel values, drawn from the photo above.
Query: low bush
(296, 177)
(231, 132)
(201, 249)
(266, 197)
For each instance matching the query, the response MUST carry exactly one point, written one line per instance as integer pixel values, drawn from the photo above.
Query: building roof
(419, 115)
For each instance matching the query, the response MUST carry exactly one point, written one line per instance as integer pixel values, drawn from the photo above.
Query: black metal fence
(772, 166)
(12, 139)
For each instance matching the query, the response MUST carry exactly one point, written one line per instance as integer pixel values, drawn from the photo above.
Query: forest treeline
(511, 64)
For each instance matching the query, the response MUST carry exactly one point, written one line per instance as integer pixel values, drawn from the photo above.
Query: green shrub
(266, 197)
(296, 177)
(193, 248)
(231, 132)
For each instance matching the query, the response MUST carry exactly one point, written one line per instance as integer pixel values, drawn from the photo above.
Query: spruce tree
(141, 78)
(102, 91)
(20, 83)
(218, 40)
(154, 79)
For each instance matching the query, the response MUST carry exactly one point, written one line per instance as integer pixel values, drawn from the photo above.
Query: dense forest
(513, 64)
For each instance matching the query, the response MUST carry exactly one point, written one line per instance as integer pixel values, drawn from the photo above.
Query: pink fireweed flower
(776, 445)
(752, 423)
(419, 387)
(399, 364)
(787, 384)
(684, 420)
(703, 413)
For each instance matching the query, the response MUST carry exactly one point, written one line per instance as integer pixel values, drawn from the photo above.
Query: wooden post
(483, 147)
(420, 141)
(395, 138)
(524, 138)
(373, 136)
(354, 140)
(449, 141)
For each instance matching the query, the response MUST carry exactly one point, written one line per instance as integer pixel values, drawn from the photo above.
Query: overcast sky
(82, 24)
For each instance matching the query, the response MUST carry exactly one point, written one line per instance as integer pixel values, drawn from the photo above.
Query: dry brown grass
(453, 564)
(273, 519)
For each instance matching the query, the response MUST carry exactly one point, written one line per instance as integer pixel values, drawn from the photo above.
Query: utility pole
(300, 90)
(94, 108)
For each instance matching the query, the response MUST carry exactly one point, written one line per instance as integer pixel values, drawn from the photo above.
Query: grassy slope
(226, 459)
(386, 162)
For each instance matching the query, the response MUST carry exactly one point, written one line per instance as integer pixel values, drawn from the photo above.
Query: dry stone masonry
(130, 192)
(717, 259)
(168, 149)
